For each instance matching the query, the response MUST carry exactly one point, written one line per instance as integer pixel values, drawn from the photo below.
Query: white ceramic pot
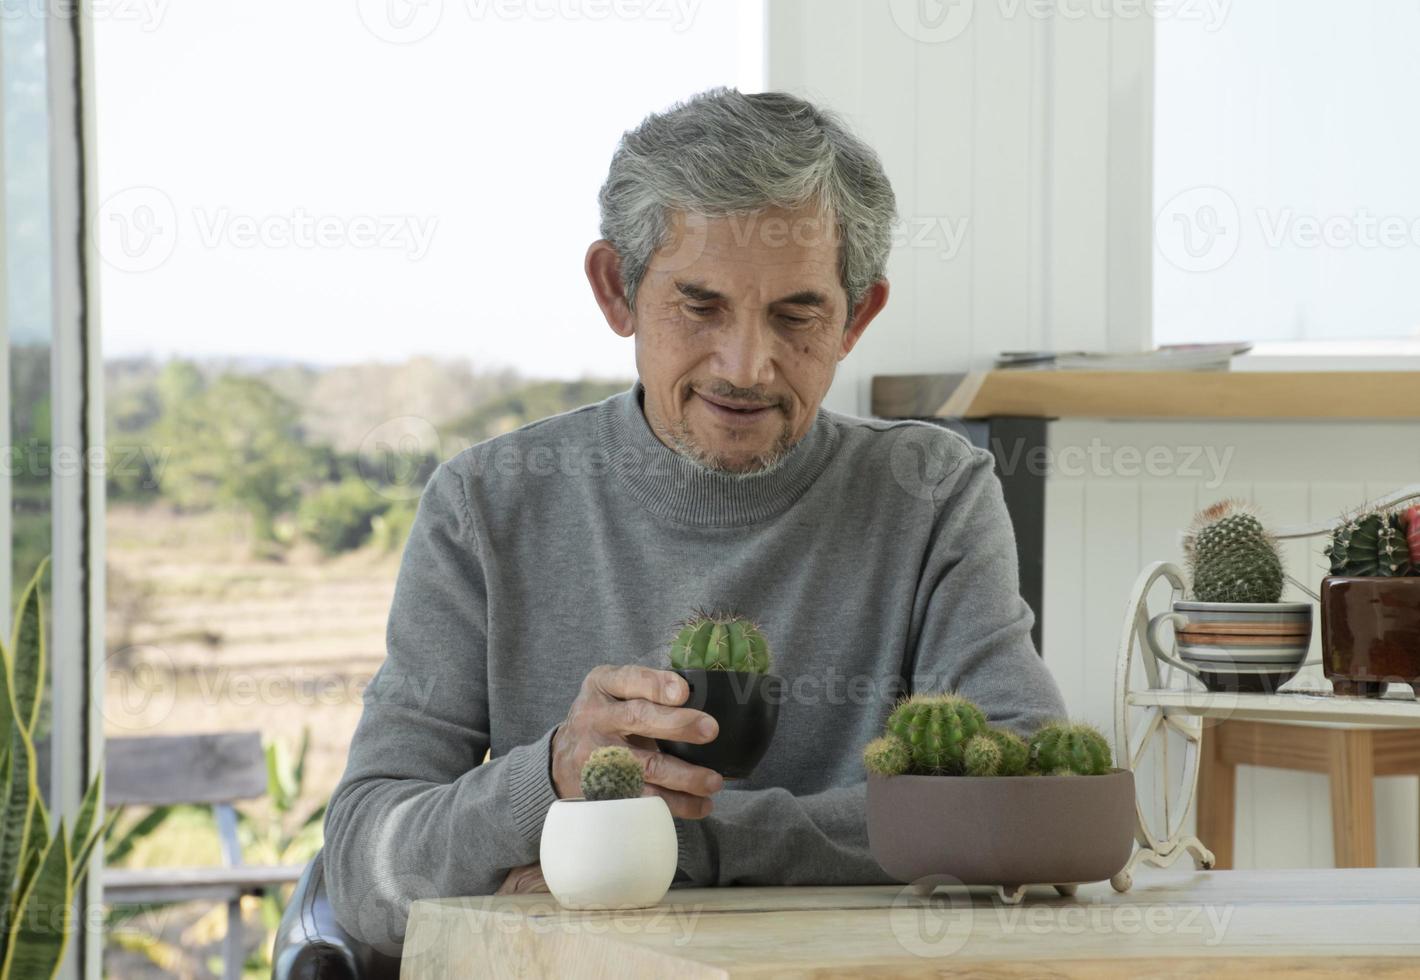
(608, 854)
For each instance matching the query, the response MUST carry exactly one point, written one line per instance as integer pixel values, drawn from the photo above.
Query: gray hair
(721, 153)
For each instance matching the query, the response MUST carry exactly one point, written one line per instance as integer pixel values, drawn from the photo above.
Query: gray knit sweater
(878, 558)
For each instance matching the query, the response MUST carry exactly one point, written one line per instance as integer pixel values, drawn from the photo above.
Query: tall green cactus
(1064, 749)
(719, 641)
(936, 728)
(1370, 544)
(39, 872)
(1231, 557)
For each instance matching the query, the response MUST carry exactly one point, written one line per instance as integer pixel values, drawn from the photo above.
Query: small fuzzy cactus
(936, 728)
(1015, 752)
(612, 773)
(719, 641)
(982, 756)
(1078, 748)
(1231, 557)
(887, 756)
(1370, 544)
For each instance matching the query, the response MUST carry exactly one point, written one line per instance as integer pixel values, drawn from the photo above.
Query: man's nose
(746, 354)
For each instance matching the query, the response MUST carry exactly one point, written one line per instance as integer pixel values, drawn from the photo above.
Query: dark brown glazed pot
(746, 706)
(1001, 830)
(1370, 633)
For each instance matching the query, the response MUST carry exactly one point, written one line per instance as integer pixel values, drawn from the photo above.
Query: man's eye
(795, 321)
(701, 310)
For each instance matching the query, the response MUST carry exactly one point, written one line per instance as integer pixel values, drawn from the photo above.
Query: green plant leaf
(85, 820)
(299, 777)
(81, 855)
(278, 777)
(151, 821)
(43, 916)
(17, 818)
(27, 653)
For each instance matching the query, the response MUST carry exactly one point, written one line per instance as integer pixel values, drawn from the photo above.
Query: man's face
(745, 310)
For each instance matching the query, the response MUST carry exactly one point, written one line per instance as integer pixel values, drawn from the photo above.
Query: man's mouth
(733, 410)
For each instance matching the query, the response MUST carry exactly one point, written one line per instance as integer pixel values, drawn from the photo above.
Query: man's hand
(523, 879)
(633, 706)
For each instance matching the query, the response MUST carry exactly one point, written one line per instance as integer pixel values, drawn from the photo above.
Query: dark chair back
(311, 945)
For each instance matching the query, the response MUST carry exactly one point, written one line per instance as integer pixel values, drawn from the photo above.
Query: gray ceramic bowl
(1001, 830)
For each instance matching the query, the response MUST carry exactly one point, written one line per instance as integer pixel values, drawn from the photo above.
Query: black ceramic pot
(746, 705)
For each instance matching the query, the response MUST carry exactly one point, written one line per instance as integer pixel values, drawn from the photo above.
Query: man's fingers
(627, 681)
(668, 772)
(684, 804)
(641, 717)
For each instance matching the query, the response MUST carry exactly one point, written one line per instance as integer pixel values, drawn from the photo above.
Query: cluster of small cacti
(948, 735)
(1376, 544)
(719, 641)
(1231, 557)
(612, 773)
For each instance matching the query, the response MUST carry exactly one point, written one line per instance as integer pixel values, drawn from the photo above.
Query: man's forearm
(390, 841)
(772, 837)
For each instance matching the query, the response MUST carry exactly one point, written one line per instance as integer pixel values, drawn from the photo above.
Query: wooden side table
(1350, 756)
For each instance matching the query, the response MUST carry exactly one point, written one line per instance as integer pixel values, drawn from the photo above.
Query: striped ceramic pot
(1243, 647)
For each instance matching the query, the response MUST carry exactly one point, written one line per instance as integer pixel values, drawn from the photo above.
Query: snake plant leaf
(17, 818)
(43, 916)
(81, 843)
(81, 856)
(27, 653)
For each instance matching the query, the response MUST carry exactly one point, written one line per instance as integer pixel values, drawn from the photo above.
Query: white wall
(1019, 151)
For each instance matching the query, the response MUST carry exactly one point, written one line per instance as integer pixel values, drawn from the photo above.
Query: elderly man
(744, 244)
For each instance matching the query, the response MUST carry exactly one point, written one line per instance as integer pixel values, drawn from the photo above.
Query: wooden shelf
(1388, 712)
(1151, 394)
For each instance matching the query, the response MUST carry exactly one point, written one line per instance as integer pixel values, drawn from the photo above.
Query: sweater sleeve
(418, 813)
(975, 639)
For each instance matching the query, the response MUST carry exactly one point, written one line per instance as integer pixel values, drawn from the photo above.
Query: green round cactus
(936, 727)
(1015, 752)
(887, 756)
(982, 756)
(1370, 544)
(1079, 748)
(612, 773)
(1231, 556)
(717, 641)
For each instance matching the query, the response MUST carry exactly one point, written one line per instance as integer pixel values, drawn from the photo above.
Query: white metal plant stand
(1139, 723)
(1154, 700)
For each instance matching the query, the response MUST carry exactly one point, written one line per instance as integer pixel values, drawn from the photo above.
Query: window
(1286, 205)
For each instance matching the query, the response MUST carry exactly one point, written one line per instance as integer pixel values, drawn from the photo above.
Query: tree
(234, 443)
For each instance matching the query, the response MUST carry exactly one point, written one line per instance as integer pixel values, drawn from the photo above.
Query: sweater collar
(678, 488)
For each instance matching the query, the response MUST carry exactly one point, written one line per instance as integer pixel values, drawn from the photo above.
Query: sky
(377, 179)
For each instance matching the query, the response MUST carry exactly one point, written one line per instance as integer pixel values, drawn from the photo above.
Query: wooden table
(1172, 923)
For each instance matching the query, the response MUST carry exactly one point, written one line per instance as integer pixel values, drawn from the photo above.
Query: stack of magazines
(1170, 357)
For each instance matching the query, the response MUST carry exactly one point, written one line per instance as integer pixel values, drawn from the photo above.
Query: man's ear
(603, 267)
(868, 307)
